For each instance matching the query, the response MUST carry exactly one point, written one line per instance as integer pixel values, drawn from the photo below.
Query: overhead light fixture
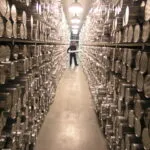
(75, 7)
(74, 31)
(75, 26)
(75, 19)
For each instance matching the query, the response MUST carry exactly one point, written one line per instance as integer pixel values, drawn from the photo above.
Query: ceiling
(85, 4)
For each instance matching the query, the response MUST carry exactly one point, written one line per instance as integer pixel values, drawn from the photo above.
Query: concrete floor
(71, 123)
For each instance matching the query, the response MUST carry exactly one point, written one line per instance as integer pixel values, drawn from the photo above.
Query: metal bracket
(143, 46)
(13, 42)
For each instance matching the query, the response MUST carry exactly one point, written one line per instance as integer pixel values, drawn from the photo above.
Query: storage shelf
(21, 41)
(19, 4)
(120, 45)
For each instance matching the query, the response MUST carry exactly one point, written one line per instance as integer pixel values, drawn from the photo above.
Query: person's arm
(68, 50)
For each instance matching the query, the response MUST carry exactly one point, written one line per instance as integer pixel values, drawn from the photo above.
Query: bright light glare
(37, 7)
(75, 20)
(75, 31)
(75, 8)
(75, 26)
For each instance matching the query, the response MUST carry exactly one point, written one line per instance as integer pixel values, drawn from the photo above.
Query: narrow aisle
(71, 123)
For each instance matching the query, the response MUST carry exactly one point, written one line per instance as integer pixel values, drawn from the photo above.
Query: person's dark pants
(73, 56)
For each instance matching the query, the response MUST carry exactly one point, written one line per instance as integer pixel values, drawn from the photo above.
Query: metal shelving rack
(119, 45)
(21, 41)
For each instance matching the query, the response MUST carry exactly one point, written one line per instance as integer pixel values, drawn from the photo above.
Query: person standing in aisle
(72, 50)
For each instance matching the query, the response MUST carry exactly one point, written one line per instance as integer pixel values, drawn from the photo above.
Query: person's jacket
(71, 48)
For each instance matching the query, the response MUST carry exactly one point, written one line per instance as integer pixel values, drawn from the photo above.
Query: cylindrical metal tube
(137, 59)
(145, 56)
(130, 34)
(145, 31)
(2, 27)
(147, 86)
(14, 13)
(140, 81)
(9, 29)
(140, 106)
(131, 118)
(146, 138)
(137, 33)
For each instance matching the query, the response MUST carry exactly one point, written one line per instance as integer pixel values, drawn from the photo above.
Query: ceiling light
(75, 19)
(75, 30)
(75, 7)
(75, 26)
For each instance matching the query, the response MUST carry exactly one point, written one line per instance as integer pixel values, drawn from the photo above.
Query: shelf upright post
(13, 42)
(143, 46)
